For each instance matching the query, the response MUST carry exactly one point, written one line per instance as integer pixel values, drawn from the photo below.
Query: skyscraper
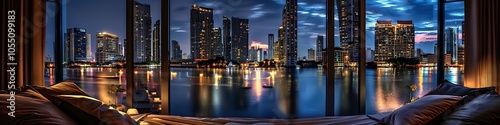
(239, 35)
(106, 48)
(176, 50)
(89, 47)
(451, 43)
(77, 43)
(279, 49)
(270, 42)
(142, 34)
(419, 53)
(348, 24)
(370, 55)
(156, 42)
(216, 46)
(201, 26)
(319, 48)
(394, 40)
(226, 22)
(311, 54)
(290, 32)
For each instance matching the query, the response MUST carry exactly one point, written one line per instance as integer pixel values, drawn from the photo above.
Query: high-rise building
(201, 26)
(348, 24)
(451, 43)
(290, 32)
(279, 48)
(77, 43)
(260, 55)
(463, 34)
(419, 53)
(239, 35)
(226, 29)
(370, 55)
(120, 49)
(394, 40)
(106, 48)
(216, 46)
(319, 48)
(185, 56)
(435, 49)
(156, 47)
(89, 47)
(341, 57)
(270, 42)
(311, 54)
(142, 34)
(176, 50)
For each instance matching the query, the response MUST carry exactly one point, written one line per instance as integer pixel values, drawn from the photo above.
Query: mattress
(153, 119)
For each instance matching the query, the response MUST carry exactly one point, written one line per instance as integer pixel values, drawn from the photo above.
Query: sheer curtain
(482, 48)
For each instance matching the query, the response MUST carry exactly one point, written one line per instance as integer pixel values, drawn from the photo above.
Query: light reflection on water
(265, 93)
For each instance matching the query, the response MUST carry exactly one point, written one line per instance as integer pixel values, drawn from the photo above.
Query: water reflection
(264, 93)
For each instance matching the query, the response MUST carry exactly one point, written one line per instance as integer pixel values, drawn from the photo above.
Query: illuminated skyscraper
(394, 40)
(239, 35)
(451, 43)
(201, 26)
(279, 48)
(216, 46)
(349, 23)
(270, 42)
(77, 43)
(142, 33)
(290, 32)
(319, 48)
(106, 48)
(311, 54)
(156, 42)
(176, 50)
(226, 32)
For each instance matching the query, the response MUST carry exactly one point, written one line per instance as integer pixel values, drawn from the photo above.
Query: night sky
(264, 15)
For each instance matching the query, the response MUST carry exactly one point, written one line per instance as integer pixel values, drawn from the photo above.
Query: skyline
(264, 19)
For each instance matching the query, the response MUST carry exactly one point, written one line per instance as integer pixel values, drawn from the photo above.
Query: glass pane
(50, 43)
(229, 58)
(93, 48)
(400, 38)
(454, 42)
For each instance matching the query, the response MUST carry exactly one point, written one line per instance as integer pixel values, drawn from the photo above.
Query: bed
(66, 103)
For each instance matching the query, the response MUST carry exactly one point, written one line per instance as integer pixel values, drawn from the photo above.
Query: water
(295, 93)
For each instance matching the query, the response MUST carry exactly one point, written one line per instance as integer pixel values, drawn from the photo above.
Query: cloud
(175, 28)
(180, 31)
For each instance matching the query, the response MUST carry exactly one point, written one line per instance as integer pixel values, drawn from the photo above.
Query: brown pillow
(63, 88)
(422, 111)
(31, 108)
(90, 111)
(448, 88)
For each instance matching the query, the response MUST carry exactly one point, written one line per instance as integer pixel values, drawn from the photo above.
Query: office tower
(311, 54)
(185, 56)
(341, 57)
(419, 53)
(106, 48)
(260, 55)
(435, 49)
(120, 49)
(176, 50)
(226, 29)
(348, 24)
(201, 26)
(279, 49)
(290, 32)
(216, 46)
(89, 47)
(370, 55)
(394, 40)
(264, 54)
(239, 35)
(142, 33)
(252, 54)
(270, 42)
(76, 45)
(156, 52)
(319, 48)
(451, 43)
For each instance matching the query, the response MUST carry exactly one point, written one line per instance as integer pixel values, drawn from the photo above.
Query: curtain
(482, 47)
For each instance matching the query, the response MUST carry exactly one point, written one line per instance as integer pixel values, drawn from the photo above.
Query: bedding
(177, 120)
(90, 111)
(483, 110)
(448, 88)
(63, 88)
(423, 111)
(31, 108)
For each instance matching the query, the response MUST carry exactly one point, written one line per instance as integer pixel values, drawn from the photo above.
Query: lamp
(132, 111)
